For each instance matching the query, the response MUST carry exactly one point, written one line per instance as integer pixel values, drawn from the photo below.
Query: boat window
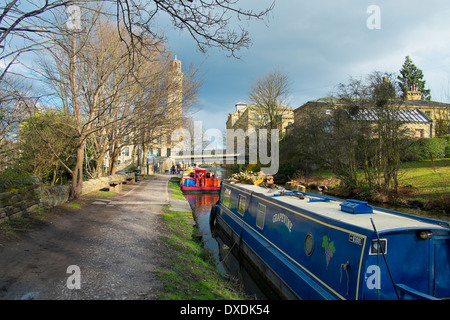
(241, 205)
(378, 247)
(309, 244)
(261, 216)
(227, 197)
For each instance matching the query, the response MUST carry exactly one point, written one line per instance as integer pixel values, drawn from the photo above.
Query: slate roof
(401, 103)
(403, 115)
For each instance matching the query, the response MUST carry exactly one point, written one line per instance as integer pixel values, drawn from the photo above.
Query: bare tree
(359, 130)
(269, 95)
(11, 114)
(86, 72)
(85, 90)
(209, 22)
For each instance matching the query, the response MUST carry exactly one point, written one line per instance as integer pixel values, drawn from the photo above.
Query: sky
(320, 44)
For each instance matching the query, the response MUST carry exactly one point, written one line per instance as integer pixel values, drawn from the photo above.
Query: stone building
(423, 118)
(437, 112)
(247, 117)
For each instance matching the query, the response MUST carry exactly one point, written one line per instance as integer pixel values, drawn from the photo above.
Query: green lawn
(430, 184)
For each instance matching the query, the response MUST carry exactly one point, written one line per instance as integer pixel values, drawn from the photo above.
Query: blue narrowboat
(312, 246)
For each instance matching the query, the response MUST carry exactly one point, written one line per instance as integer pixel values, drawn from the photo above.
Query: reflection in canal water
(201, 205)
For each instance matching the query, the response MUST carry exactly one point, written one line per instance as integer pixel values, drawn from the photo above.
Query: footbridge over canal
(203, 157)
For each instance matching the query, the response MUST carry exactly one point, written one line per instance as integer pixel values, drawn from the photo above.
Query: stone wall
(20, 202)
(101, 183)
(52, 196)
(25, 201)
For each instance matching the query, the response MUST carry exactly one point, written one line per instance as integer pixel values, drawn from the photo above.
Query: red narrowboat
(199, 180)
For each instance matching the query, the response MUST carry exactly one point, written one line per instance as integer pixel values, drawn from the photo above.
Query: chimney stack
(413, 94)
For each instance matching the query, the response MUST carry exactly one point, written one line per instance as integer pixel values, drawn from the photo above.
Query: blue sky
(320, 44)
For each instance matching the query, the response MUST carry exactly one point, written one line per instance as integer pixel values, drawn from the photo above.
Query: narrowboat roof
(384, 220)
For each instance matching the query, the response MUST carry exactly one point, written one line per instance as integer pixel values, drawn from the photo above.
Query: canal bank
(252, 282)
(191, 272)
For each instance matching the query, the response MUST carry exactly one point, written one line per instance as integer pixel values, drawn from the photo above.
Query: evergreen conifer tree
(411, 76)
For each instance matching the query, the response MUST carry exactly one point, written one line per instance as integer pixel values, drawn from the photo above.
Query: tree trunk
(77, 175)
(114, 158)
(99, 159)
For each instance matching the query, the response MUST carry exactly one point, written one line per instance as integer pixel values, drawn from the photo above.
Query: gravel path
(115, 243)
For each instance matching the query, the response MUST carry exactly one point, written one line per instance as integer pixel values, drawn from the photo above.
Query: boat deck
(383, 221)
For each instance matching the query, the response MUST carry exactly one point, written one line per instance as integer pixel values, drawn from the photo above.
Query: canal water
(201, 205)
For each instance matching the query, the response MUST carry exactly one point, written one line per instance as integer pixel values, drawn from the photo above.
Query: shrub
(422, 149)
(11, 178)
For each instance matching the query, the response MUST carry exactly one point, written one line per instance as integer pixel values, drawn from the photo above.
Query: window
(227, 197)
(127, 152)
(378, 247)
(418, 133)
(241, 205)
(168, 152)
(309, 244)
(261, 216)
(158, 152)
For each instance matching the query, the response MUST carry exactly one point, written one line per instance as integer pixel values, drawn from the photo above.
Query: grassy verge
(191, 273)
(174, 185)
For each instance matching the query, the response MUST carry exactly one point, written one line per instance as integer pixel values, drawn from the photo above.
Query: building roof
(403, 115)
(404, 103)
(425, 103)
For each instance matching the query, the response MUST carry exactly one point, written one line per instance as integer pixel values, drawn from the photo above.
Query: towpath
(115, 243)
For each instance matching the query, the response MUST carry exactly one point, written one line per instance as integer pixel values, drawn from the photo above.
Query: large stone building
(423, 118)
(247, 117)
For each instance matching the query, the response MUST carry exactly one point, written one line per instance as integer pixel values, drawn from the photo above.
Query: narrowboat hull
(198, 180)
(325, 248)
(192, 190)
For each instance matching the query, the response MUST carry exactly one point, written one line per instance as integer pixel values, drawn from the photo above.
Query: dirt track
(115, 242)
